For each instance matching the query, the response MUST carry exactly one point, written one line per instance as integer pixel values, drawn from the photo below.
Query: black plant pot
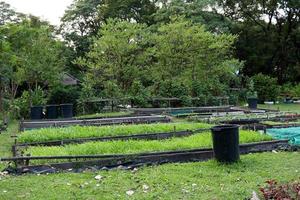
(226, 143)
(52, 111)
(252, 102)
(66, 110)
(36, 112)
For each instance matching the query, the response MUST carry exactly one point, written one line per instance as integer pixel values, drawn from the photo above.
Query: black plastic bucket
(66, 110)
(52, 111)
(36, 112)
(252, 103)
(226, 143)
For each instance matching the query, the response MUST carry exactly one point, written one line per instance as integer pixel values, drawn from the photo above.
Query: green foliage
(130, 59)
(49, 134)
(266, 87)
(84, 18)
(7, 14)
(268, 34)
(251, 93)
(296, 91)
(200, 140)
(64, 94)
(32, 57)
(22, 104)
(139, 94)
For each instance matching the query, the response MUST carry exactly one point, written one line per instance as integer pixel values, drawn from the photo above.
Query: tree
(203, 12)
(132, 58)
(84, 18)
(269, 36)
(117, 54)
(187, 53)
(33, 55)
(8, 15)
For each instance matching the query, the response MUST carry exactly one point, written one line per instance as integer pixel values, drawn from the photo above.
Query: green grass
(74, 132)
(138, 146)
(189, 181)
(108, 114)
(6, 140)
(282, 107)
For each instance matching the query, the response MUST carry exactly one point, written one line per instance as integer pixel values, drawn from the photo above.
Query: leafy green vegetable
(74, 132)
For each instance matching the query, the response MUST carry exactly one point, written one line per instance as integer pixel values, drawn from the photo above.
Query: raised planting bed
(106, 115)
(139, 146)
(182, 110)
(28, 125)
(249, 118)
(56, 163)
(147, 136)
(78, 132)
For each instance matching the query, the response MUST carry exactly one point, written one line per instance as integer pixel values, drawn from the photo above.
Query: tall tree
(269, 38)
(8, 15)
(33, 55)
(84, 18)
(128, 57)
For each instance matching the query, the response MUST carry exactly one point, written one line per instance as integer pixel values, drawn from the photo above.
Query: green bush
(22, 105)
(64, 94)
(266, 87)
(139, 94)
(295, 92)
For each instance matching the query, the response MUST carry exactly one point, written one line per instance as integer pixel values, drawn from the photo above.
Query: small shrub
(266, 87)
(22, 104)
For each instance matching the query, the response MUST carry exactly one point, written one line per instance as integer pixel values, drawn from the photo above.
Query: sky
(50, 10)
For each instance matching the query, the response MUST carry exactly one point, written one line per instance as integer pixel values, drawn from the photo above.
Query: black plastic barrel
(66, 110)
(252, 103)
(226, 143)
(52, 111)
(36, 112)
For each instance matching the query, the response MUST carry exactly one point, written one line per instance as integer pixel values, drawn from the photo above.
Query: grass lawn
(6, 141)
(282, 107)
(203, 180)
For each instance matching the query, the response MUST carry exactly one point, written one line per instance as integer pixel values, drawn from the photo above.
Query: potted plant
(252, 96)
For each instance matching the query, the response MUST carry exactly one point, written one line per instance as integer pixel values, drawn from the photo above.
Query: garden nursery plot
(200, 140)
(76, 132)
(106, 115)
